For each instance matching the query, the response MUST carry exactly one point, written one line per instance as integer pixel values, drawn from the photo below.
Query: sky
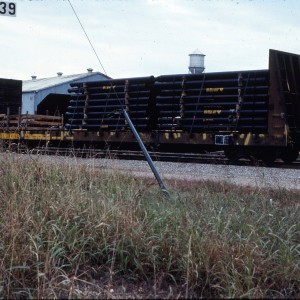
(135, 38)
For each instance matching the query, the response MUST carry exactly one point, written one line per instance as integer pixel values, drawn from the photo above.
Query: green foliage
(62, 223)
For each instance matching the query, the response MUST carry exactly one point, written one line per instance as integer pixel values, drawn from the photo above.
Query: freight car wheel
(268, 157)
(289, 155)
(13, 147)
(231, 154)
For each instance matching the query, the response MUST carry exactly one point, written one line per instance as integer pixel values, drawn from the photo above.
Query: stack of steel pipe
(224, 101)
(99, 105)
(209, 102)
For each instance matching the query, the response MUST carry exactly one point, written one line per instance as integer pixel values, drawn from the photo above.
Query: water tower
(196, 62)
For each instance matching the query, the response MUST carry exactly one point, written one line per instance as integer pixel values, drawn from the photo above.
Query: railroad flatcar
(253, 113)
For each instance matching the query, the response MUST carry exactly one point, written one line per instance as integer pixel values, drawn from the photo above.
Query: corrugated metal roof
(43, 83)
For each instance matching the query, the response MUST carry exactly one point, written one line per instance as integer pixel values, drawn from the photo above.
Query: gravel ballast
(260, 177)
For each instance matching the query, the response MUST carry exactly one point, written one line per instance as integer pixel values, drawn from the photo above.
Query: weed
(78, 232)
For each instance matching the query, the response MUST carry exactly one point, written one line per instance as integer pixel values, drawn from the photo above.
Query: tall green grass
(74, 231)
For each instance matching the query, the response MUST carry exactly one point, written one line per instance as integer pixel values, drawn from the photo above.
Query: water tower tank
(196, 62)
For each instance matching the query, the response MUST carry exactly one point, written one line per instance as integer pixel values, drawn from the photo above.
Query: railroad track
(132, 155)
(199, 158)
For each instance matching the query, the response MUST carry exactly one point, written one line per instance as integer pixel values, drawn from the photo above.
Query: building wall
(30, 100)
(28, 103)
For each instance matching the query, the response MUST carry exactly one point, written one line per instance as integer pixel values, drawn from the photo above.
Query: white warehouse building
(53, 90)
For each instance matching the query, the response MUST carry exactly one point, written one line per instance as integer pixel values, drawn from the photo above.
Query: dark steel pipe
(200, 104)
(104, 99)
(104, 112)
(224, 111)
(214, 126)
(111, 127)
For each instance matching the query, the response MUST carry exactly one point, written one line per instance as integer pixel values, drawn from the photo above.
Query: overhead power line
(87, 37)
